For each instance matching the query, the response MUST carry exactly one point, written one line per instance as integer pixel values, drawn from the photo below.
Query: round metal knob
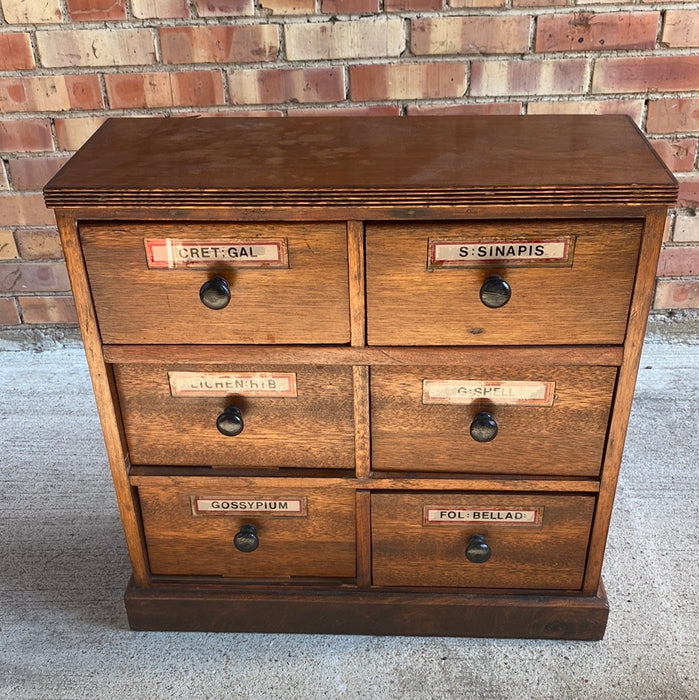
(477, 550)
(215, 293)
(483, 428)
(495, 292)
(230, 422)
(246, 540)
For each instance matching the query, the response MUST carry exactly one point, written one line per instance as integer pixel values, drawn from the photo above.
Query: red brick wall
(66, 64)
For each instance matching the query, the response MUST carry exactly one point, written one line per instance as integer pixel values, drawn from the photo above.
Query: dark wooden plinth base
(171, 607)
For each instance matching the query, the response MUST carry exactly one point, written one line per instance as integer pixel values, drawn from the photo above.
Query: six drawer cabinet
(365, 375)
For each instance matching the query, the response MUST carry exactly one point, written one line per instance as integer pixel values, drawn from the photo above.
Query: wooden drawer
(535, 541)
(296, 291)
(292, 416)
(548, 420)
(191, 528)
(419, 292)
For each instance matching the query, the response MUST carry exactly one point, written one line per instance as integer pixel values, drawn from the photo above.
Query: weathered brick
(45, 309)
(39, 244)
(4, 182)
(16, 51)
(686, 229)
(287, 7)
(224, 8)
(34, 173)
(681, 28)
(301, 85)
(18, 278)
(249, 43)
(25, 210)
(354, 111)
(412, 5)
(57, 93)
(160, 9)
(25, 135)
(180, 89)
(96, 47)
(8, 247)
(350, 39)
(407, 81)
(541, 3)
(678, 261)
(646, 74)
(673, 115)
(689, 191)
(676, 294)
(469, 35)
(71, 134)
(586, 31)
(350, 7)
(31, 11)
(678, 154)
(634, 107)
(485, 108)
(95, 10)
(456, 4)
(8, 313)
(546, 77)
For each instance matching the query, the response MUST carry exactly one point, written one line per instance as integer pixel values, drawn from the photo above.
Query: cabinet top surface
(362, 160)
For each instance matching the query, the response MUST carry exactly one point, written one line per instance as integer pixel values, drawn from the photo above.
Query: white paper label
(506, 393)
(253, 384)
(169, 253)
(248, 506)
(464, 253)
(455, 515)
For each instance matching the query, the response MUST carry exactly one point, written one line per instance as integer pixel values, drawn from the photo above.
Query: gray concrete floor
(63, 569)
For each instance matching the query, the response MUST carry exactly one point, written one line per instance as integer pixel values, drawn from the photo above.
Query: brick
(541, 3)
(50, 93)
(686, 229)
(585, 31)
(457, 4)
(25, 135)
(689, 191)
(45, 309)
(301, 85)
(160, 9)
(8, 313)
(673, 115)
(71, 134)
(31, 11)
(350, 7)
(634, 108)
(547, 77)
(412, 5)
(95, 10)
(355, 111)
(678, 261)
(224, 8)
(16, 51)
(25, 210)
(678, 154)
(407, 81)
(33, 173)
(469, 35)
(39, 244)
(681, 29)
(466, 109)
(4, 182)
(181, 89)
(287, 7)
(646, 74)
(8, 247)
(16, 278)
(677, 294)
(249, 43)
(350, 39)
(96, 47)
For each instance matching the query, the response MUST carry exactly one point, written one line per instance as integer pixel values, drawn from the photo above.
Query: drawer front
(492, 420)
(296, 291)
(291, 416)
(419, 292)
(480, 540)
(205, 529)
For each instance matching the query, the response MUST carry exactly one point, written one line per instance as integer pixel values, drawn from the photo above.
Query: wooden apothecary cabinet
(365, 375)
